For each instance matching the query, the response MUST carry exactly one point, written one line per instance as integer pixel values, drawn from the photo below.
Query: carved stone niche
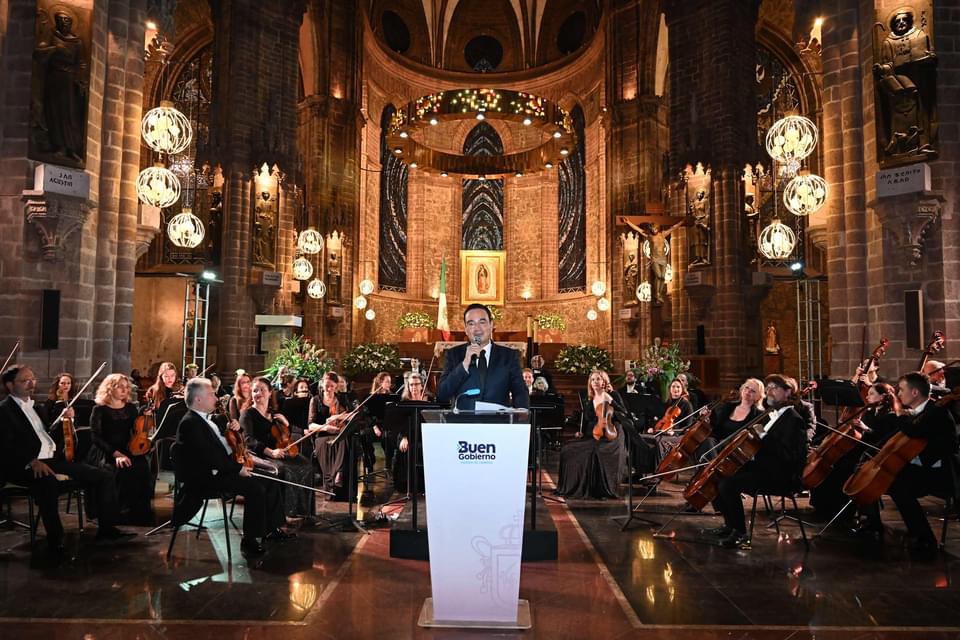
(909, 219)
(55, 218)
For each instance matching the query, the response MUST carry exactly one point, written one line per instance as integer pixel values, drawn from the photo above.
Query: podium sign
(475, 478)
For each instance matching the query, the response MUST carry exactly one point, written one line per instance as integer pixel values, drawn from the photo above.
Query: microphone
(474, 357)
(468, 392)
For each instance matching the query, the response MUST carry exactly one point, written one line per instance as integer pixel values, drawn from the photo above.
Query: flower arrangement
(550, 321)
(415, 320)
(582, 359)
(302, 358)
(371, 358)
(496, 313)
(660, 363)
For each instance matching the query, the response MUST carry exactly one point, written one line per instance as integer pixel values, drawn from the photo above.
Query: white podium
(475, 466)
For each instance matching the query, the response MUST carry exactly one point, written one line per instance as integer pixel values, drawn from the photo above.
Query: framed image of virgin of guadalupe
(482, 277)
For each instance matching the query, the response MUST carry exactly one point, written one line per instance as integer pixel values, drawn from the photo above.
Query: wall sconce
(525, 294)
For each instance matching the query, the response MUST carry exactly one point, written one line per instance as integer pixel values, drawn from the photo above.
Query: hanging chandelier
(185, 230)
(805, 194)
(316, 289)
(366, 287)
(165, 129)
(302, 269)
(158, 186)
(591, 314)
(370, 314)
(668, 273)
(598, 288)
(406, 136)
(310, 241)
(644, 292)
(777, 241)
(360, 302)
(790, 140)
(603, 304)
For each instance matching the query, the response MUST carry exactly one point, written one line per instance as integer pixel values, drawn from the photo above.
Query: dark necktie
(482, 368)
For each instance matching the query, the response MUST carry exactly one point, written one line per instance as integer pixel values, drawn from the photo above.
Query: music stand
(838, 393)
(406, 414)
(545, 404)
(634, 441)
(375, 405)
(348, 433)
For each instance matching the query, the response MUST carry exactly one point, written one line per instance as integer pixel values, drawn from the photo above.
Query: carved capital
(55, 218)
(909, 219)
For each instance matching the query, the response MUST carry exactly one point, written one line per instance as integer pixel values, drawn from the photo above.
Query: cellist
(930, 473)
(776, 468)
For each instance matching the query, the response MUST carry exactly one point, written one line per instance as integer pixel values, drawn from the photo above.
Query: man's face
(631, 377)
(901, 23)
(24, 384)
(528, 378)
(478, 325)
(205, 400)
(776, 394)
(909, 397)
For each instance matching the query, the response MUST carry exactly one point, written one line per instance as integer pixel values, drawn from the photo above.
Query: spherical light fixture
(310, 241)
(370, 314)
(185, 230)
(790, 140)
(302, 269)
(644, 292)
(165, 129)
(777, 241)
(366, 287)
(360, 302)
(591, 314)
(598, 288)
(603, 304)
(316, 289)
(805, 194)
(668, 273)
(158, 186)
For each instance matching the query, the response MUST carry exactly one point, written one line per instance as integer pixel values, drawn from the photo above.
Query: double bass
(845, 437)
(740, 449)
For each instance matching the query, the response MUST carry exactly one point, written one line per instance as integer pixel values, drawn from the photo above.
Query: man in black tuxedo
(481, 370)
(205, 464)
(32, 458)
(776, 468)
(933, 472)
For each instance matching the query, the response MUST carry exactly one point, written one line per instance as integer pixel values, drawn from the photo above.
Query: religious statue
(61, 77)
(905, 73)
(657, 236)
(697, 183)
(631, 269)
(771, 341)
(214, 227)
(265, 232)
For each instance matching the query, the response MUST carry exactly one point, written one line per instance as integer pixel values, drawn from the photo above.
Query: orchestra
(780, 443)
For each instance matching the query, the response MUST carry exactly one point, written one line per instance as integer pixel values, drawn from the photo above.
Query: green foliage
(301, 358)
(371, 358)
(415, 320)
(661, 363)
(551, 321)
(583, 359)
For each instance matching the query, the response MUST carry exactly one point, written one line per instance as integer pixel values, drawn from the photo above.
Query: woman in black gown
(257, 423)
(592, 468)
(328, 411)
(111, 424)
(729, 417)
(680, 398)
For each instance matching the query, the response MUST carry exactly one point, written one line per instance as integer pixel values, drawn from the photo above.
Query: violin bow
(294, 484)
(206, 369)
(79, 393)
(350, 416)
(10, 357)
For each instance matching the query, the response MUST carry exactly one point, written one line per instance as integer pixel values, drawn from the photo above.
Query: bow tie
(28, 402)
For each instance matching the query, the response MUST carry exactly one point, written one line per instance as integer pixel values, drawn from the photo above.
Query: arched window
(483, 199)
(392, 271)
(572, 209)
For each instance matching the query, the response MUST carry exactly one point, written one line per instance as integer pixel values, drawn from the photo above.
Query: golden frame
(482, 277)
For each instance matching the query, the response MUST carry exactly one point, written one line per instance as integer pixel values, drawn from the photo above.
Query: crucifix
(656, 229)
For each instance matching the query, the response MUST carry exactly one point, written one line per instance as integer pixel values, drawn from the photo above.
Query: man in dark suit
(933, 472)
(776, 468)
(481, 370)
(205, 464)
(32, 458)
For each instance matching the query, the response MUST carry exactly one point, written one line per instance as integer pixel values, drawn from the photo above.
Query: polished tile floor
(606, 584)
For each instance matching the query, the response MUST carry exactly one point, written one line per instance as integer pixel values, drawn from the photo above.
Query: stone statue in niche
(631, 269)
(265, 231)
(771, 340)
(214, 227)
(59, 87)
(906, 88)
(698, 207)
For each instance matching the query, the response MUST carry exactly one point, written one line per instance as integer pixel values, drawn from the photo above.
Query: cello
(844, 438)
(875, 476)
(740, 449)
(691, 440)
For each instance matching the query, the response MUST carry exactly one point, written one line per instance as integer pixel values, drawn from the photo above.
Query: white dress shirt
(773, 416)
(47, 446)
(216, 431)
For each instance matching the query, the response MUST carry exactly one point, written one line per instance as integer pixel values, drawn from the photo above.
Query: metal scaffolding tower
(196, 309)
(809, 334)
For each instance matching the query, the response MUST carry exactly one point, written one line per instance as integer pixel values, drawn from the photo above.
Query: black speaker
(913, 318)
(701, 340)
(50, 319)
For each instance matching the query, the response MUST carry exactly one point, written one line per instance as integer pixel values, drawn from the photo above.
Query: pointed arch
(392, 263)
(482, 199)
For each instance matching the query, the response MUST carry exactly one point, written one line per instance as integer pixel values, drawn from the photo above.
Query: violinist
(205, 463)
(31, 457)
(166, 386)
(591, 467)
(776, 468)
(111, 424)
(414, 391)
(241, 400)
(383, 385)
(61, 392)
(804, 407)
(729, 417)
(260, 426)
(930, 473)
(679, 403)
(328, 412)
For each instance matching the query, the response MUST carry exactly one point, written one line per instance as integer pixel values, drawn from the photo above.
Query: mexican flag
(442, 323)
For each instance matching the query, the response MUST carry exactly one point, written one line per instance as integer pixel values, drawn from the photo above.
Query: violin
(669, 416)
(140, 441)
(694, 436)
(741, 448)
(69, 440)
(239, 448)
(604, 427)
(281, 436)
